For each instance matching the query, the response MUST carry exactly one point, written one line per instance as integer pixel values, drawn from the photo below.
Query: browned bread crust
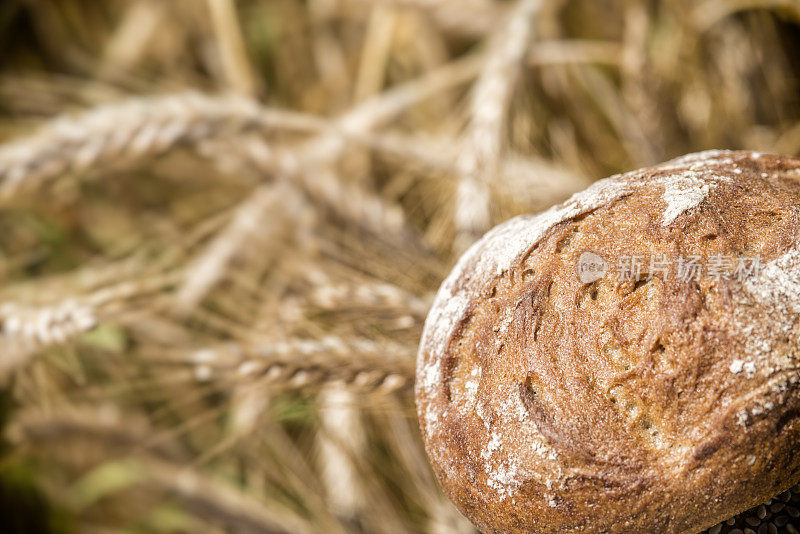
(548, 404)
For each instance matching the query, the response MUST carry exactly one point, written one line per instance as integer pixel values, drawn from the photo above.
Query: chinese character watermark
(630, 267)
(689, 268)
(686, 268)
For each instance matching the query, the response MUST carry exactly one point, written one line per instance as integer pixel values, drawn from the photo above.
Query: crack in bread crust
(552, 404)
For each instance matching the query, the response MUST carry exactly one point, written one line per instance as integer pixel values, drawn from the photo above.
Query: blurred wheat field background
(223, 222)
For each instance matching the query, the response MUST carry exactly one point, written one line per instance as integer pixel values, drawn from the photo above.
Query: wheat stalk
(489, 108)
(445, 519)
(208, 497)
(208, 267)
(533, 181)
(473, 18)
(340, 442)
(232, 49)
(126, 48)
(705, 14)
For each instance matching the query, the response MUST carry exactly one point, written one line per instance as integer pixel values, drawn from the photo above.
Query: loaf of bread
(626, 361)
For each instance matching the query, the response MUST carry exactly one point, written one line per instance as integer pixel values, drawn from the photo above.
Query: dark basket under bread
(573, 376)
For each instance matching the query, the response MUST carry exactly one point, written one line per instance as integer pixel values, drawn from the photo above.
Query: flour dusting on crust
(771, 329)
(776, 293)
(681, 193)
(778, 284)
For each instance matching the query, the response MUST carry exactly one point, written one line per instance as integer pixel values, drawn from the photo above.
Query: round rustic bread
(574, 377)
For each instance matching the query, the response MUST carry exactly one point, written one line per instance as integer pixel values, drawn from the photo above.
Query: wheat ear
(360, 364)
(331, 293)
(26, 329)
(134, 130)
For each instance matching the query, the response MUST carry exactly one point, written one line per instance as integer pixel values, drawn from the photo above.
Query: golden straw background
(223, 222)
